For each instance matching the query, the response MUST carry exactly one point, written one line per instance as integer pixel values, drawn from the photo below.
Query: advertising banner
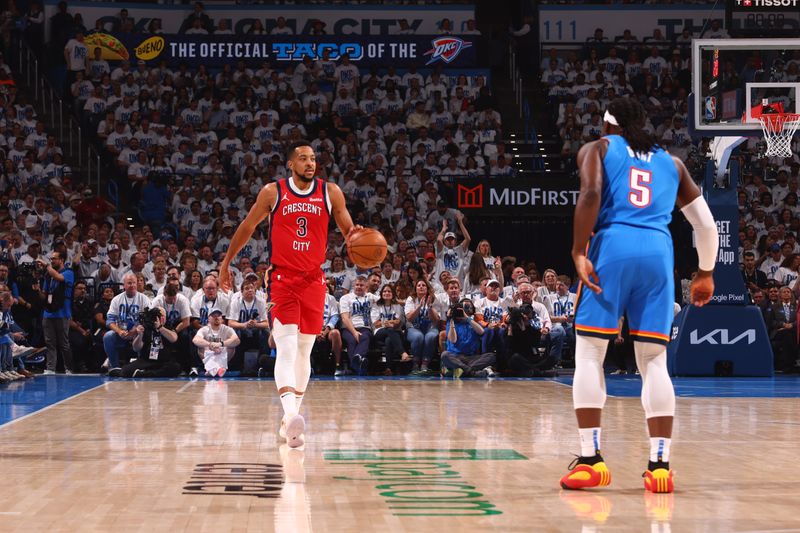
(575, 24)
(338, 20)
(720, 340)
(729, 288)
(517, 197)
(402, 51)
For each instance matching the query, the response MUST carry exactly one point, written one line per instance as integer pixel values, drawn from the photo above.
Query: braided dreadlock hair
(631, 117)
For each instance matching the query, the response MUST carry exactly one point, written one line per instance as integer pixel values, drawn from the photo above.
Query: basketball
(367, 248)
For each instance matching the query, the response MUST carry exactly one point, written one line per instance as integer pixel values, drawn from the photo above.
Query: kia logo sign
(446, 49)
(722, 337)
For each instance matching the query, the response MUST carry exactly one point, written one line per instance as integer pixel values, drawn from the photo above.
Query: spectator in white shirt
(216, 342)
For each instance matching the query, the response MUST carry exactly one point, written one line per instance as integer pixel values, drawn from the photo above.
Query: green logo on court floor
(421, 481)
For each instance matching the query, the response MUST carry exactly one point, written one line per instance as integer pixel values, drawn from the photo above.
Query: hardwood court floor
(413, 456)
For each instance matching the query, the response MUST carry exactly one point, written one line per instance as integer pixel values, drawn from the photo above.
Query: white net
(778, 132)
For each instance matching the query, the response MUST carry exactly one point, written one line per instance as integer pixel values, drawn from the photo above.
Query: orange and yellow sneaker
(658, 478)
(585, 473)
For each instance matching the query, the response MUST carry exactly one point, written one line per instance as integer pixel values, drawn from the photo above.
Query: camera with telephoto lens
(456, 311)
(149, 318)
(30, 273)
(519, 315)
(462, 309)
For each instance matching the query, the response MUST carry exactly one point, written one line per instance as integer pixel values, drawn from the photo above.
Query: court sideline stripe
(46, 407)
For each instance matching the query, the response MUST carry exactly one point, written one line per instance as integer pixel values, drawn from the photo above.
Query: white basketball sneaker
(295, 427)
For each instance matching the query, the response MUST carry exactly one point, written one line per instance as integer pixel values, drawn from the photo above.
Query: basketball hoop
(778, 128)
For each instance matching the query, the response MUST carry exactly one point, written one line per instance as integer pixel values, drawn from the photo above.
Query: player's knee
(335, 336)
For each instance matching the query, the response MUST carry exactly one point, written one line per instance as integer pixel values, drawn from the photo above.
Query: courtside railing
(58, 118)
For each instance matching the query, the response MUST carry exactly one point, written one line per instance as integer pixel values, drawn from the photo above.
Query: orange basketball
(367, 248)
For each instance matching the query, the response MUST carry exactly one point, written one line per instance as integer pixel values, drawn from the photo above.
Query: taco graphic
(112, 49)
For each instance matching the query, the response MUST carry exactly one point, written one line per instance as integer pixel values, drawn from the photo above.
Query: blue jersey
(632, 247)
(638, 189)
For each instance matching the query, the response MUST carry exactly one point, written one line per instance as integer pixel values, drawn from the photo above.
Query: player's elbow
(590, 195)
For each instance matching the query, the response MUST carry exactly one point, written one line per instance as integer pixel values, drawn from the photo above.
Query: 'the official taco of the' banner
(112, 49)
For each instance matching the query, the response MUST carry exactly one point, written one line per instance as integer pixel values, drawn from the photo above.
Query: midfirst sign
(517, 196)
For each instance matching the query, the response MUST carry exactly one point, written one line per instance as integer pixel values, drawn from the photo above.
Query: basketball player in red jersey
(299, 208)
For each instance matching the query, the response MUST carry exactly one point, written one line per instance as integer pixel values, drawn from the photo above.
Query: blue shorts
(635, 267)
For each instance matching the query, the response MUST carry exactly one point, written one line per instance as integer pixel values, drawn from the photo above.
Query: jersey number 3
(302, 227)
(641, 194)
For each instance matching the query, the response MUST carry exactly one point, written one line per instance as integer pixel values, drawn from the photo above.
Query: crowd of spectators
(191, 149)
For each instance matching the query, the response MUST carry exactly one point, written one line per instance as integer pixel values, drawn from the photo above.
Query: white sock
(285, 337)
(659, 449)
(302, 366)
(590, 441)
(289, 404)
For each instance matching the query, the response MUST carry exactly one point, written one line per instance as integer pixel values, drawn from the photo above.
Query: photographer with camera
(462, 354)
(528, 323)
(57, 294)
(445, 301)
(155, 357)
(80, 329)
(30, 305)
(179, 314)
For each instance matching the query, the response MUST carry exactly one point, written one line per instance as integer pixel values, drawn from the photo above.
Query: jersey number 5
(302, 226)
(640, 195)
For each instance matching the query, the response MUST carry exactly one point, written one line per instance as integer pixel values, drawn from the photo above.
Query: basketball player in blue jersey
(629, 186)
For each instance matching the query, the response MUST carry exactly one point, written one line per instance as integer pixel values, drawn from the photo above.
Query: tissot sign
(766, 3)
(216, 51)
(517, 196)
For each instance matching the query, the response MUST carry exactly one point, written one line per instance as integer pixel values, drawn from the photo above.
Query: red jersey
(298, 227)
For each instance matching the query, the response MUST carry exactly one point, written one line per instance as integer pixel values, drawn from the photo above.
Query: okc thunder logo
(446, 49)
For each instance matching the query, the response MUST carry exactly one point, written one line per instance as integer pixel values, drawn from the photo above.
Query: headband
(608, 117)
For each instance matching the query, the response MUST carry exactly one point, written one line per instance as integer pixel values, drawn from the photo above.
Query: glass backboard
(730, 76)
